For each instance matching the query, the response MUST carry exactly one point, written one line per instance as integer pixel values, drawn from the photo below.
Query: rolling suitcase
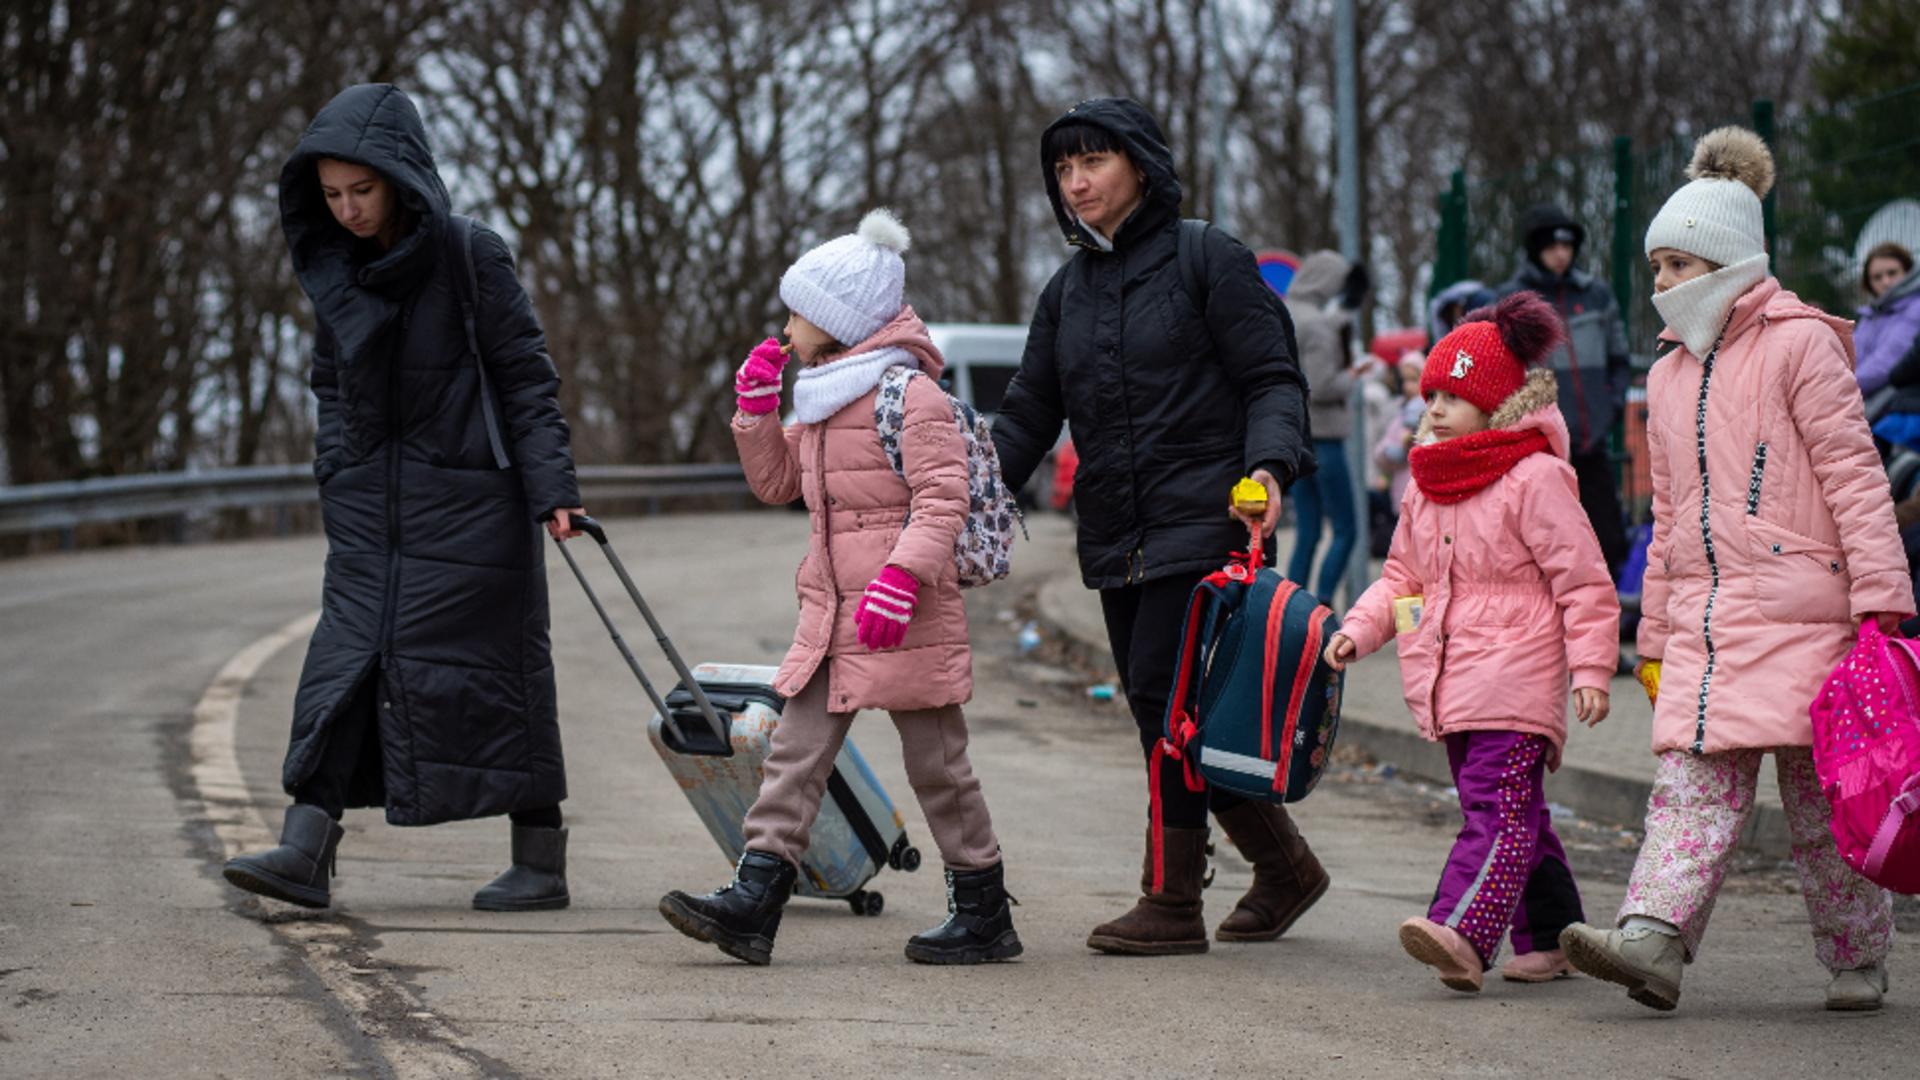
(713, 732)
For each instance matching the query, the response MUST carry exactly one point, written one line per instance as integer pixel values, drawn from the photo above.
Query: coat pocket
(1796, 580)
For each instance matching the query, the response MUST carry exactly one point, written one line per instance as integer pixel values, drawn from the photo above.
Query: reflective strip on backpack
(1240, 763)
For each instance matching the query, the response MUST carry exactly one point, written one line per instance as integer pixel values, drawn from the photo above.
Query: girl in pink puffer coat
(1499, 595)
(1773, 537)
(882, 623)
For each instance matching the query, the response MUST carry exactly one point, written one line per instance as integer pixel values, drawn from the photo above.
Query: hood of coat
(1775, 303)
(375, 125)
(1319, 279)
(1468, 294)
(906, 331)
(1129, 122)
(1545, 216)
(1904, 291)
(1536, 406)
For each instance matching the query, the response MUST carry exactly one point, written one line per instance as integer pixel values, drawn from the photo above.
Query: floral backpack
(1866, 750)
(984, 550)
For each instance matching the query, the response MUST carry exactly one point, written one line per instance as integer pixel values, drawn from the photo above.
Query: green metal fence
(1837, 168)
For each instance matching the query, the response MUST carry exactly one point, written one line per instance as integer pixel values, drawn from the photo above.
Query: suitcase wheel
(902, 857)
(867, 903)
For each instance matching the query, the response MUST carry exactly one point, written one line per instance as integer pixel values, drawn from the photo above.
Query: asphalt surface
(144, 702)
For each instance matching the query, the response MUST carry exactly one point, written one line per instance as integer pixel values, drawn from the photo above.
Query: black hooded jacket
(1592, 367)
(1167, 405)
(435, 575)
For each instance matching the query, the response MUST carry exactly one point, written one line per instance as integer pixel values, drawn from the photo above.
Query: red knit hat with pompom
(1485, 359)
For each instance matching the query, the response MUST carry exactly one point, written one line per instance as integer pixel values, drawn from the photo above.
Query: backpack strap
(466, 288)
(1275, 629)
(1904, 806)
(891, 423)
(1191, 250)
(1309, 658)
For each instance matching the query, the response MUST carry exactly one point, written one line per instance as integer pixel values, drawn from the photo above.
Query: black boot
(298, 871)
(744, 914)
(537, 880)
(979, 924)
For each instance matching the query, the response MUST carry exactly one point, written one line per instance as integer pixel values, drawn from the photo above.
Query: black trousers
(1600, 497)
(1143, 628)
(348, 742)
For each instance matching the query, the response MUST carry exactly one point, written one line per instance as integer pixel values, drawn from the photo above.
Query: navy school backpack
(1254, 708)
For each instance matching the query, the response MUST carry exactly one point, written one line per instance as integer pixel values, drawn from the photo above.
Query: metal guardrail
(31, 508)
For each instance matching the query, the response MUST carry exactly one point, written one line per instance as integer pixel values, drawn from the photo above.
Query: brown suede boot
(1287, 879)
(1167, 922)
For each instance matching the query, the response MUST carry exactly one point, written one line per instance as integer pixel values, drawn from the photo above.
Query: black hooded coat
(435, 577)
(1167, 405)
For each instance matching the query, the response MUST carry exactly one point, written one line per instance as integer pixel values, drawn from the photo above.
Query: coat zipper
(1706, 540)
(1573, 368)
(1754, 479)
(393, 479)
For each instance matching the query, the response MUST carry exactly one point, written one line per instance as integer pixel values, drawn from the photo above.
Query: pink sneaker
(1537, 967)
(1443, 949)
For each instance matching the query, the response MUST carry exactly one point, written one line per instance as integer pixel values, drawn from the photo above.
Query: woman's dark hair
(1888, 250)
(1069, 139)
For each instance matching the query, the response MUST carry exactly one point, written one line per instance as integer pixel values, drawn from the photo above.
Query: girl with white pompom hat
(882, 621)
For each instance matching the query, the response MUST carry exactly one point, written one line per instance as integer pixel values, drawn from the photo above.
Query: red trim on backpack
(1316, 629)
(1275, 620)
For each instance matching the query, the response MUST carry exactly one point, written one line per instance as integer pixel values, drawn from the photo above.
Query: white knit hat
(1717, 217)
(852, 285)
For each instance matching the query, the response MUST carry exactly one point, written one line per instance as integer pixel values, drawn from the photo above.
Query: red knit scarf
(1454, 470)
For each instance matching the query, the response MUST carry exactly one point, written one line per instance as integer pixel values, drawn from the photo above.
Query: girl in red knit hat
(1498, 593)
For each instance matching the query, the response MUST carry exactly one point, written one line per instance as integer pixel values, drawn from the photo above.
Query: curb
(1588, 792)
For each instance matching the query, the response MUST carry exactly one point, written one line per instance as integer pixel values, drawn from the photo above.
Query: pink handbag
(1866, 750)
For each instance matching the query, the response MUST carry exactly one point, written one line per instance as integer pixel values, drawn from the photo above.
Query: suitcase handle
(594, 529)
(588, 525)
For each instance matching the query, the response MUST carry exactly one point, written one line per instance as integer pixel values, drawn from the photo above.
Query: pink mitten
(886, 609)
(758, 381)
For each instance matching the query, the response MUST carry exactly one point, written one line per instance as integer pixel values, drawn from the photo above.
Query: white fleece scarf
(1696, 311)
(819, 392)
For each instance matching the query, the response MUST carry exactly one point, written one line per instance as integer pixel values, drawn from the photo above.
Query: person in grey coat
(1323, 329)
(1592, 368)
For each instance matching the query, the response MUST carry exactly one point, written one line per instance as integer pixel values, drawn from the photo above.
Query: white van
(981, 360)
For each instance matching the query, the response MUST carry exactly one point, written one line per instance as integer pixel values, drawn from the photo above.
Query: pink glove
(758, 381)
(886, 609)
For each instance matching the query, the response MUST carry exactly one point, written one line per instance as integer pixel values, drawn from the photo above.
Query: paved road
(122, 953)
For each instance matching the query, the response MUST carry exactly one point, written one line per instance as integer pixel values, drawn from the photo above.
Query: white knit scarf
(1696, 311)
(819, 392)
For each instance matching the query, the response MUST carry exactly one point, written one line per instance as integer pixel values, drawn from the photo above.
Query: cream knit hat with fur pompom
(852, 285)
(1717, 216)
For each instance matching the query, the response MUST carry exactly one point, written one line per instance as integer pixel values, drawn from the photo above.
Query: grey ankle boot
(298, 871)
(1857, 989)
(1647, 962)
(537, 880)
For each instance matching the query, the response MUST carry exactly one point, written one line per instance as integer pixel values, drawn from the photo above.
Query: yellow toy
(1250, 496)
(1650, 679)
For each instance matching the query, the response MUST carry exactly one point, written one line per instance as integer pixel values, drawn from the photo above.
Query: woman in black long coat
(428, 687)
(1176, 380)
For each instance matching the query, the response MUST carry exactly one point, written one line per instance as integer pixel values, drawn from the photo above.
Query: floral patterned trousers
(1700, 806)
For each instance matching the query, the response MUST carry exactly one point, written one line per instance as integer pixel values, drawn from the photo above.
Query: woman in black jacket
(428, 686)
(1174, 385)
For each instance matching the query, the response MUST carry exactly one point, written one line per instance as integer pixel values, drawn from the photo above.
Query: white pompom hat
(852, 285)
(1718, 216)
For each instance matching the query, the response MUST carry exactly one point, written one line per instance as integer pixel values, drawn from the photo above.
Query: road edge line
(408, 1037)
